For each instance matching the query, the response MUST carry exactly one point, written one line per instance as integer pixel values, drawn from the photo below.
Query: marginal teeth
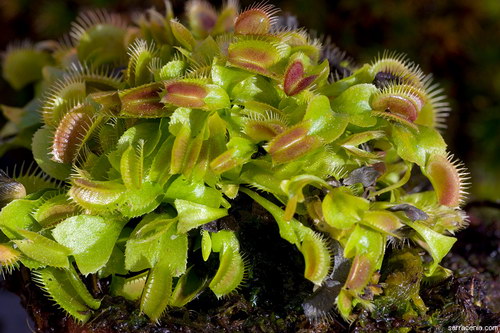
(72, 132)
(256, 20)
(436, 104)
(139, 46)
(64, 95)
(9, 258)
(102, 76)
(448, 178)
(89, 19)
(141, 54)
(398, 66)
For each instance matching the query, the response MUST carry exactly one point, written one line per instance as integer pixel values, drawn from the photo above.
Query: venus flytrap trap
(154, 129)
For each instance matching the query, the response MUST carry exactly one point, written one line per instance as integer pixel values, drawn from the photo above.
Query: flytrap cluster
(147, 129)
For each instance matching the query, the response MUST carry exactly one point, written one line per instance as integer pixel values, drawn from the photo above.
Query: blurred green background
(456, 40)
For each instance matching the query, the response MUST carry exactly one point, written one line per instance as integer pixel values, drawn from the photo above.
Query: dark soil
(271, 299)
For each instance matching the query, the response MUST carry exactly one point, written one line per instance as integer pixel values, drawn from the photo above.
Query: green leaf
(255, 88)
(130, 288)
(407, 145)
(41, 146)
(436, 244)
(147, 131)
(90, 238)
(182, 35)
(159, 172)
(430, 140)
(352, 142)
(206, 244)
(157, 291)
(240, 151)
(286, 228)
(343, 210)
(324, 122)
(143, 247)
(24, 65)
(227, 77)
(196, 192)
(132, 166)
(115, 264)
(216, 98)
(173, 69)
(416, 146)
(192, 215)
(362, 75)
(355, 101)
(81, 289)
(141, 201)
(174, 246)
(43, 249)
(367, 242)
(187, 288)
(56, 284)
(17, 215)
(231, 268)
(54, 210)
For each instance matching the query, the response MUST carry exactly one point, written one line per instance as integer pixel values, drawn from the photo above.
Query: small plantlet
(153, 130)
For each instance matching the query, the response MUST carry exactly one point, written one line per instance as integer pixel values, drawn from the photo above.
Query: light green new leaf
(294, 187)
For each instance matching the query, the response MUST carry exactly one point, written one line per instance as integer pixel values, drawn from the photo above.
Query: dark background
(456, 40)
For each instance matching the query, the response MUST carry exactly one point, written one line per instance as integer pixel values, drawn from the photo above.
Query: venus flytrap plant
(155, 129)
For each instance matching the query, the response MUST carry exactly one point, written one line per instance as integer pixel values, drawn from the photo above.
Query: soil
(271, 299)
